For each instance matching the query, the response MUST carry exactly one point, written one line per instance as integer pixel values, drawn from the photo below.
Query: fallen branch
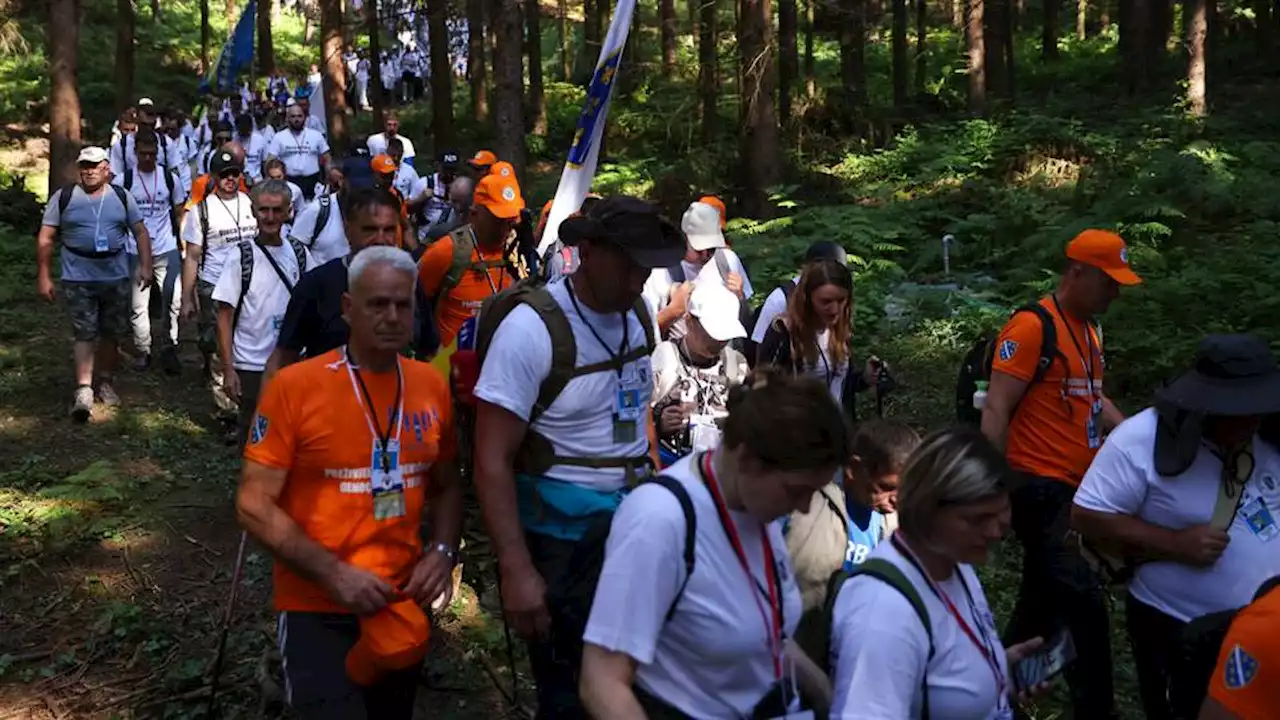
(492, 672)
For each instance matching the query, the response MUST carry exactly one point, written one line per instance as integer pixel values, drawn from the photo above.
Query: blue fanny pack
(562, 509)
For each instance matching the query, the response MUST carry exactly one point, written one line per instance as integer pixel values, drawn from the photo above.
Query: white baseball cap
(92, 154)
(145, 102)
(701, 226)
(717, 310)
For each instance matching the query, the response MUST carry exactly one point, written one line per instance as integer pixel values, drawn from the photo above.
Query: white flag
(580, 168)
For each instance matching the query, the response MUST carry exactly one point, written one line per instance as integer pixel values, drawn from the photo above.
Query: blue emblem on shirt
(1241, 668)
(1008, 349)
(258, 432)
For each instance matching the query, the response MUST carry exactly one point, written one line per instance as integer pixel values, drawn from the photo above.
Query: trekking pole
(226, 624)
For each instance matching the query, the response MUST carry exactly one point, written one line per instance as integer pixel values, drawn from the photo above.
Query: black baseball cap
(449, 158)
(826, 250)
(631, 224)
(223, 160)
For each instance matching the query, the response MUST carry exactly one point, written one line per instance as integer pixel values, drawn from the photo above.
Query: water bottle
(980, 396)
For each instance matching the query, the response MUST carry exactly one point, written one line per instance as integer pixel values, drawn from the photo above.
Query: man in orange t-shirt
(1050, 427)
(1246, 683)
(335, 484)
(458, 291)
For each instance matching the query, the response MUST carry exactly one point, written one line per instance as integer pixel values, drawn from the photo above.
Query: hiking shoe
(107, 394)
(82, 404)
(170, 363)
(142, 362)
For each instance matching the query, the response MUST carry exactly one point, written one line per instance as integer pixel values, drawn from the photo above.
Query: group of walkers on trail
(666, 494)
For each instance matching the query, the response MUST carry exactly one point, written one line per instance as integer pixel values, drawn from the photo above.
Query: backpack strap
(564, 349)
(64, 198)
(466, 259)
(128, 179)
(722, 263)
(690, 532)
(202, 212)
(322, 218)
(299, 254)
(641, 309)
(889, 574)
(246, 276)
(1048, 339)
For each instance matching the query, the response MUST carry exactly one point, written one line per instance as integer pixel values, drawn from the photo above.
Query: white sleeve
(518, 360)
(1114, 483)
(657, 290)
(323, 145)
(116, 159)
(774, 305)
(879, 652)
(369, 145)
(642, 574)
(666, 370)
(304, 223)
(191, 227)
(228, 288)
(179, 188)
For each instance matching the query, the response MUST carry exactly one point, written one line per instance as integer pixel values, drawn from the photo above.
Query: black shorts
(313, 649)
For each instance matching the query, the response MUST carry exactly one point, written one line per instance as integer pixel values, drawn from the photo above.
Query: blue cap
(303, 92)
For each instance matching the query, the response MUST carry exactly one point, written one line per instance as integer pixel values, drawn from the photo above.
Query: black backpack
(168, 182)
(977, 362)
(751, 346)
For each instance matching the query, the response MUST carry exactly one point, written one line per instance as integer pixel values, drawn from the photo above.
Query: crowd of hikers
(667, 494)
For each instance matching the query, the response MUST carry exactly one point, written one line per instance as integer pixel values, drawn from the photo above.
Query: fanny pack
(562, 509)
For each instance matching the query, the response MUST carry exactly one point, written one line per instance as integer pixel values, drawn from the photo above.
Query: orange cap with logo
(716, 203)
(503, 168)
(1106, 251)
(382, 164)
(482, 158)
(500, 195)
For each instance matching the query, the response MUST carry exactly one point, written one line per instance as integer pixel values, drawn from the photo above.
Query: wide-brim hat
(631, 224)
(1233, 375)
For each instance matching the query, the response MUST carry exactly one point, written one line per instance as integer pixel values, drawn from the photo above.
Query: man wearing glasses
(210, 231)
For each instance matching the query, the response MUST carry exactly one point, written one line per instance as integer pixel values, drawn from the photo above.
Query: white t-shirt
(580, 421)
(331, 242)
(879, 649)
(264, 303)
(1123, 480)
(831, 374)
(377, 145)
(152, 195)
(296, 199)
(255, 149)
(406, 180)
(712, 660)
(774, 305)
(657, 289)
(300, 152)
(230, 221)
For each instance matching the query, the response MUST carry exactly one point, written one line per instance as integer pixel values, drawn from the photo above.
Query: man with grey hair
(252, 296)
(456, 213)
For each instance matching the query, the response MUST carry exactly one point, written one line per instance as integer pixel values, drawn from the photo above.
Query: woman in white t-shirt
(813, 336)
(714, 643)
(953, 506)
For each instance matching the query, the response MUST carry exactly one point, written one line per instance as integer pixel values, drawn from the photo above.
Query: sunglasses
(228, 174)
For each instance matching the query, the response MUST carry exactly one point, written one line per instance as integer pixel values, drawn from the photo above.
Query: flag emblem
(1008, 349)
(1241, 669)
(258, 432)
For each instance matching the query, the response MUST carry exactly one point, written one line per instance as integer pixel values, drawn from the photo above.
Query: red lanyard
(773, 618)
(151, 196)
(987, 653)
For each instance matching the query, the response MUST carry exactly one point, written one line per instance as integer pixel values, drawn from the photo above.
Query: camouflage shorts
(206, 319)
(99, 309)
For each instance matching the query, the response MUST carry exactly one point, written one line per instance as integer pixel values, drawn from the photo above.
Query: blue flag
(236, 54)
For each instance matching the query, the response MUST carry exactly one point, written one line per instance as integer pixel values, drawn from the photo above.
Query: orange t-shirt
(312, 422)
(1247, 678)
(1048, 433)
(463, 301)
(200, 187)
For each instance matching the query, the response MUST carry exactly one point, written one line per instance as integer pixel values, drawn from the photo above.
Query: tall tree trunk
(374, 30)
(810, 79)
(204, 37)
(1049, 36)
(1082, 19)
(533, 46)
(922, 58)
(476, 60)
(693, 8)
(788, 59)
(231, 16)
(997, 17)
(900, 68)
(64, 92)
(592, 36)
(958, 19)
(441, 76)
(155, 11)
(508, 75)
(266, 45)
(566, 57)
(1135, 41)
(1104, 16)
(333, 74)
(708, 72)
(759, 136)
(1197, 57)
(667, 19)
(308, 29)
(977, 51)
(853, 51)
(125, 19)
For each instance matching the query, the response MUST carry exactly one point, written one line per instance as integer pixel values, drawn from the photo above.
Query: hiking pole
(226, 624)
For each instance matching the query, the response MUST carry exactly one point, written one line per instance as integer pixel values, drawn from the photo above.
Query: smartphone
(1046, 663)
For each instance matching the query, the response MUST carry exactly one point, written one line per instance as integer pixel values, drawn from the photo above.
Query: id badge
(101, 244)
(386, 481)
(1093, 425)
(624, 431)
(704, 435)
(1261, 522)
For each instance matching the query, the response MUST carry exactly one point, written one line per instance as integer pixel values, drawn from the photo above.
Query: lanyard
(623, 347)
(828, 371)
(1086, 359)
(298, 140)
(235, 216)
(983, 645)
(773, 618)
(97, 213)
(396, 420)
(151, 194)
(480, 258)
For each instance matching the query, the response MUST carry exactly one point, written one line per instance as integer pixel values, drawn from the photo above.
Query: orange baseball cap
(382, 164)
(1106, 251)
(482, 158)
(718, 204)
(500, 195)
(503, 168)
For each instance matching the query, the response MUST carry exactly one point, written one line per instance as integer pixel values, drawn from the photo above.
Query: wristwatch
(448, 551)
